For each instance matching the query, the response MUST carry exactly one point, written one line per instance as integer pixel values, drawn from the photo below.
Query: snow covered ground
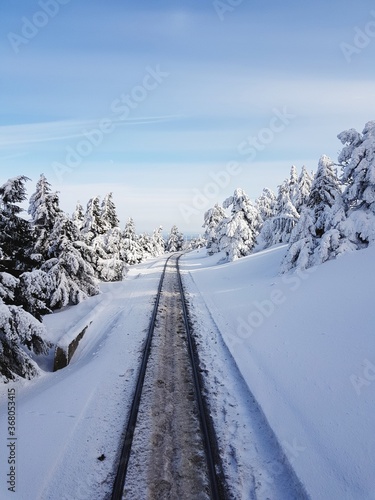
(68, 419)
(305, 347)
(290, 364)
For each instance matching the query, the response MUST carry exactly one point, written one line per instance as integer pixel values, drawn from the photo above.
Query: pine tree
(293, 185)
(279, 228)
(14, 230)
(71, 275)
(108, 212)
(131, 250)
(266, 204)
(358, 161)
(158, 242)
(175, 241)
(304, 187)
(93, 224)
(317, 236)
(108, 250)
(146, 244)
(20, 333)
(238, 233)
(44, 209)
(78, 216)
(212, 218)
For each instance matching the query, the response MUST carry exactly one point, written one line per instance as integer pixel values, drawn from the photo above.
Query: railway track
(181, 410)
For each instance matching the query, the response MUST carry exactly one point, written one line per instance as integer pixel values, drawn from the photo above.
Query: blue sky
(156, 101)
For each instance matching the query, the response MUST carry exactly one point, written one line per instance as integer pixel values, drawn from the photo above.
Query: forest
(50, 259)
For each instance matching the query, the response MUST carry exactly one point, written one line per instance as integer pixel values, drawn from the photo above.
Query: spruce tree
(212, 218)
(278, 228)
(358, 161)
(304, 187)
(78, 216)
(175, 241)
(317, 236)
(131, 250)
(266, 204)
(158, 242)
(43, 209)
(108, 213)
(15, 232)
(238, 233)
(93, 224)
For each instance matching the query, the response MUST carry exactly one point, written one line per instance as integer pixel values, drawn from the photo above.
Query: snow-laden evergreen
(44, 210)
(131, 249)
(78, 216)
(266, 204)
(304, 187)
(108, 213)
(14, 229)
(109, 265)
(237, 234)
(21, 334)
(93, 223)
(278, 228)
(175, 241)
(317, 236)
(212, 219)
(195, 243)
(358, 160)
(55, 261)
(158, 242)
(293, 185)
(72, 276)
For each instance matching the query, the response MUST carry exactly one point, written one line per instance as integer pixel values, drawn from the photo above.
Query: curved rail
(118, 486)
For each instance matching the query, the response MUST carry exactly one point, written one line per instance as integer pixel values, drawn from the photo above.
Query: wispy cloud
(29, 133)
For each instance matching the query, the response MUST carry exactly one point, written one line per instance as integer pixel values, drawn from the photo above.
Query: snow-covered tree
(108, 212)
(278, 228)
(358, 161)
(196, 243)
(212, 218)
(293, 185)
(175, 241)
(78, 216)
(158, 242)
(14, 229)
(237, 234)
(72, 277)
(266, 204)
(131, 250)
(304, 187)
(34, 291)
(317, 236)
(93, 223)
(43, 209)
(146, 245)
(107, 250)
(20, 333)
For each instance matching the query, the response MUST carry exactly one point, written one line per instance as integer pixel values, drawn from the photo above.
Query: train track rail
(214, 474)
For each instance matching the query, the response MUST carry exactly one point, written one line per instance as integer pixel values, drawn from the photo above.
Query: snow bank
(69, 423)
(305, 346)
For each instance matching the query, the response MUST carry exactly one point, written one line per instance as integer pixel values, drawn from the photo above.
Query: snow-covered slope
(303, 343)
(67, 420)
(305, 346)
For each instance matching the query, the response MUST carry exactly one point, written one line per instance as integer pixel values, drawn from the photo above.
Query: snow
(304, 345)
(67, 419)
(290, 370)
